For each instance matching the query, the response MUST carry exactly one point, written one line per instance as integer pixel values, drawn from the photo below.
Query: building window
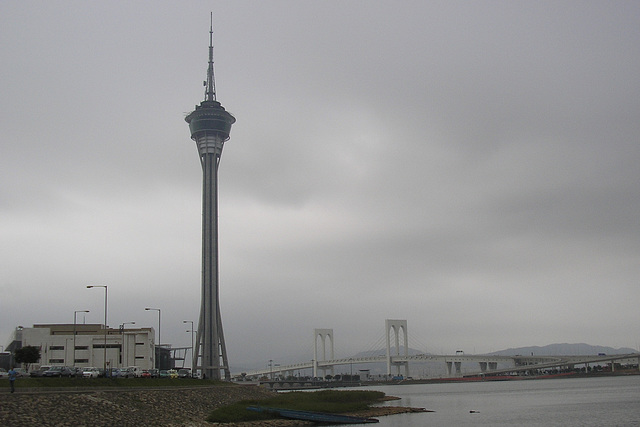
(82, 360)
(82, 347)
(139, 343)
(139, 357)
(108, 346)
(56, 347)
(56, 360)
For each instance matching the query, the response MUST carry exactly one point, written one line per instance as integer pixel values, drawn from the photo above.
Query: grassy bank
(111, 382)
(332, 401)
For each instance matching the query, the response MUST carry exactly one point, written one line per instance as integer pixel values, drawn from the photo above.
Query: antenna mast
(210, 95)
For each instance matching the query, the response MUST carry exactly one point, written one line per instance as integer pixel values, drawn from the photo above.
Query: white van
(137, 370)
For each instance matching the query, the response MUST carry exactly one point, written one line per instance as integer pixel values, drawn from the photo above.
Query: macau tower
(210, 125)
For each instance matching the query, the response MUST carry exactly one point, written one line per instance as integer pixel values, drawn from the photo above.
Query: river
(566, 402)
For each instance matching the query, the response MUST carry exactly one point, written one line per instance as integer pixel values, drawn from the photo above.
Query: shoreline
(187, 407)
(488, 378)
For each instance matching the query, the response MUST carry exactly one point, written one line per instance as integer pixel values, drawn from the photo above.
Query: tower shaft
(210, 334)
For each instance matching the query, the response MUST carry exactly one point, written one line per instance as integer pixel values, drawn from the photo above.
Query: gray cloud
(470, 167)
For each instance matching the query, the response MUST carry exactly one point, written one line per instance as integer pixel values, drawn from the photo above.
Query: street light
(122, 336)
(105, 323)
(159, 317)
(125, 323)
(75, 313)
(193, 356)
(157, 353)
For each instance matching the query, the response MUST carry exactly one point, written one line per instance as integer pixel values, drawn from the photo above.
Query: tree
(27, 355)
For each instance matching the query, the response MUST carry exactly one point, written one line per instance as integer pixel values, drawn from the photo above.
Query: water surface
(604, 401)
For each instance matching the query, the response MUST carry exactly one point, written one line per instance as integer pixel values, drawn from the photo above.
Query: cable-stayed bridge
(396, 329)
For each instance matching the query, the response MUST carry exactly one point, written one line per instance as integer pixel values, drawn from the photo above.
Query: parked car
(184, 373)
(59, 371)
(90, 372)
(155, 373)
(40, 371)
(21, 372)
(172, 373)
(115, 373)
(127, 373)
(145, 374)
(137, 371)
(3, 373)
(163, 373)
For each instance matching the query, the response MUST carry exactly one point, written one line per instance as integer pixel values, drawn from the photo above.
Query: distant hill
(564, 350)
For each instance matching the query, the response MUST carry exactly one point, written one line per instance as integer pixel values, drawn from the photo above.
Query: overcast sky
(471, 167)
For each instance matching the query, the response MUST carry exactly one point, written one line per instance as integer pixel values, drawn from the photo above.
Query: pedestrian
(12, 379)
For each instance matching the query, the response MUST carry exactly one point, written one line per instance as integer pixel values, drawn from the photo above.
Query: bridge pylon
(396, 326)
(323, 334)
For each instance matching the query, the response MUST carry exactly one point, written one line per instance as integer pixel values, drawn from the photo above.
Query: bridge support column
(396, 326)
(483, 366)
(323, 334)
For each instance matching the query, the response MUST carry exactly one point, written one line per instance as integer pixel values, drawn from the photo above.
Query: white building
(124, 347)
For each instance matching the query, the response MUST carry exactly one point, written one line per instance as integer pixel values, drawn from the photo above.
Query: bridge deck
(519, 363)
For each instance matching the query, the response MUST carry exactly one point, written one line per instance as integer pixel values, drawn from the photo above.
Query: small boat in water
(318, 417)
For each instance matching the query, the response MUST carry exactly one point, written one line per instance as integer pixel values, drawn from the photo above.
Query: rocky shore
(150, 407)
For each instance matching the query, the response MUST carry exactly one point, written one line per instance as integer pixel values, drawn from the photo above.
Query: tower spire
(211, 83)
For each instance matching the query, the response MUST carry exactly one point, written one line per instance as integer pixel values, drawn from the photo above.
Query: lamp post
(122, 336)
(75, 313)
(105, 323)
(159, 321)
(157, 353)
(193, 356)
